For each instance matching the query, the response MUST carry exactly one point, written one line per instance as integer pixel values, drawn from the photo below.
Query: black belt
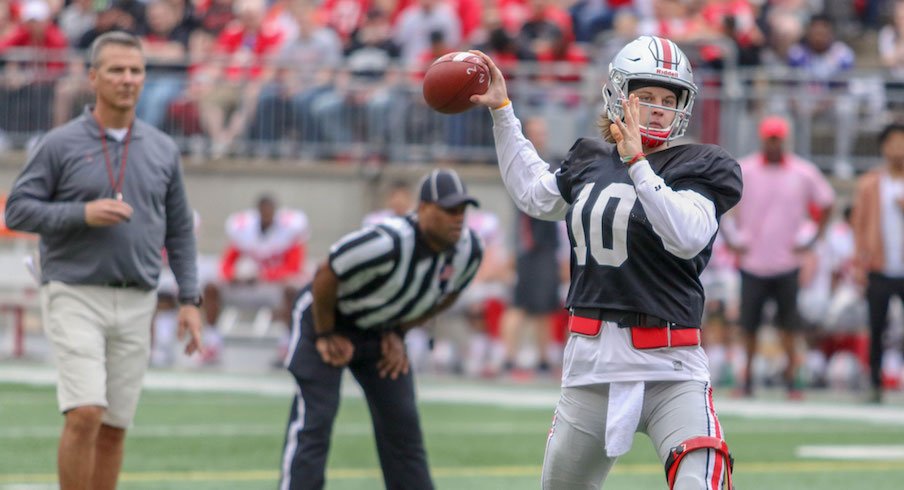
(125, 285)
(624, 318)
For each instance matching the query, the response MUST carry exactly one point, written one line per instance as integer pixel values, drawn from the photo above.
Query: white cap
(35, 10)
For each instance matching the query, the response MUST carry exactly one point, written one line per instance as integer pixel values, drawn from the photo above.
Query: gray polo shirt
(67, 169)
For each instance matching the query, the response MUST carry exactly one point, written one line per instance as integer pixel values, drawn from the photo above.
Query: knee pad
(677, 453)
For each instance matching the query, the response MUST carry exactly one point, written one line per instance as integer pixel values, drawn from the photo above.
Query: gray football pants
(673, 412)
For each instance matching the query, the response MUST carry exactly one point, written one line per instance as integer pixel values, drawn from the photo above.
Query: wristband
(323, 335)
(507, 102)
(632, 160)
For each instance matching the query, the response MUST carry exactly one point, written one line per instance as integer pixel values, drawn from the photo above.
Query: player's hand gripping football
(497, 93)
(627, 132)
(394, 360)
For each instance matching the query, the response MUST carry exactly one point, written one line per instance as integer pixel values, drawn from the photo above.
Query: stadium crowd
(334, 78)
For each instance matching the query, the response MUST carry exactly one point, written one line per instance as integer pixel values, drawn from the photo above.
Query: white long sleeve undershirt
(684, 220)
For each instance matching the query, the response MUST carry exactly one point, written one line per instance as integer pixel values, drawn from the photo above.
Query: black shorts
(537, 284)
(757, 290)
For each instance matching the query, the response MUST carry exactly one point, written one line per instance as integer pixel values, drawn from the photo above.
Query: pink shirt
(773, 210)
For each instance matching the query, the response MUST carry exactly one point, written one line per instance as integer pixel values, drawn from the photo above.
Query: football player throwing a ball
(642, 213)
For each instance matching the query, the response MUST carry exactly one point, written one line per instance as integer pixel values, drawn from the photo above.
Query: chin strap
(652, 138)
(703, 442)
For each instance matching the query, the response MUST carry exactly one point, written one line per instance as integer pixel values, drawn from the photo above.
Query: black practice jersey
(617, 259)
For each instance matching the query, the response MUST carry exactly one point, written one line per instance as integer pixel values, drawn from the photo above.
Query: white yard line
(870, 453)
(446, 391)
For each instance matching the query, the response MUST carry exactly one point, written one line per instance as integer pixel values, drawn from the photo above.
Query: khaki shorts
(101, 343)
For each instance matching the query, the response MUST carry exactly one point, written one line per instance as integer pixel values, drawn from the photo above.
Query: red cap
(774, 127)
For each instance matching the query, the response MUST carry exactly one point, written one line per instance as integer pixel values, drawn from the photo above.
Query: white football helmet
(650, 60)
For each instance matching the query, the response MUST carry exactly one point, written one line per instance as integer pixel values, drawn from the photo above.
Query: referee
(377, 283)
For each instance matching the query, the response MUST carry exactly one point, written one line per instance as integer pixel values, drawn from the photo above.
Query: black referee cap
(444, 188)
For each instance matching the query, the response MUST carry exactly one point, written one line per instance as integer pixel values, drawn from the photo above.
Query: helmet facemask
(638, 65)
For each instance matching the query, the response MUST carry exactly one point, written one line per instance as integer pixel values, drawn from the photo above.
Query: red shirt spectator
(344, 16)
(247, 41)
(37, 30)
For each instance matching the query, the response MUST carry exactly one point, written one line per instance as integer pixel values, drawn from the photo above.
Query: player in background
(642, 214)
(399, 201)
(768, 232)
(263, 265)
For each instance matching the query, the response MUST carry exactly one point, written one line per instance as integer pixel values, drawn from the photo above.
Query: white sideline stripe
(493, 395)
(228, 430)
(870, 453)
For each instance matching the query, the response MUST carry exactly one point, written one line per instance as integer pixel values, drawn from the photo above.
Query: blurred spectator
(35, 52)
(891, 52)
(8, 18)
(468, 333)
(215, 15)
(785, 28)
(721, 283)
(417, 23)
(234, 77)
(73, 91)
(183, 116)
(625, 28)
(516, 13)
(672, 19)
(831, 303)
(545, 20)
(470, 13)
(345, 16)
(165, 45)
(500, 45)
(891, 41)
(535, 298)
(367, 90)
(306, 65)
(879, 240)
(764, 229)
(484, 302)
(134, 9)
(398, 202)
(184, 11)
(560, 60)
(76, 19)
(590, 18)
(733, 20)
(823, 60)
(263, 264)
(111, 15)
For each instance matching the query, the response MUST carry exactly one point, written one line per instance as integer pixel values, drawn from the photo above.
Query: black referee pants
(392, 407)
(879, 290)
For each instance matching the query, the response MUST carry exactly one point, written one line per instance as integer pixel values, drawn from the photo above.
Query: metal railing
(381, 117)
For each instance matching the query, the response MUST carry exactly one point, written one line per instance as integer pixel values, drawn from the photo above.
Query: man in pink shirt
(765, 230)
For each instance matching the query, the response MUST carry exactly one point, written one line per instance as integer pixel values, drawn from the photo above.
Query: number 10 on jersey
(608, 228)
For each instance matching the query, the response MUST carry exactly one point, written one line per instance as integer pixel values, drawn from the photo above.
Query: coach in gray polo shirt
(105, 193)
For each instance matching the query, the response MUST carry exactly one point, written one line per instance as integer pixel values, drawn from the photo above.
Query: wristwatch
(196, 301)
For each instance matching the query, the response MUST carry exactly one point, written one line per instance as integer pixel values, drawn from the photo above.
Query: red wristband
(636, 158)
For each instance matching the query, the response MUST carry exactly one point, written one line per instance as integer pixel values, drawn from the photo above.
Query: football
(452, 79)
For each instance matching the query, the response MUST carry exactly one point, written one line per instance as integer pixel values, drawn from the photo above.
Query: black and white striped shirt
(388, 274)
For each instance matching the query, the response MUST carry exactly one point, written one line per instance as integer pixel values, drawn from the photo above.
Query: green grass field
(185, 440)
